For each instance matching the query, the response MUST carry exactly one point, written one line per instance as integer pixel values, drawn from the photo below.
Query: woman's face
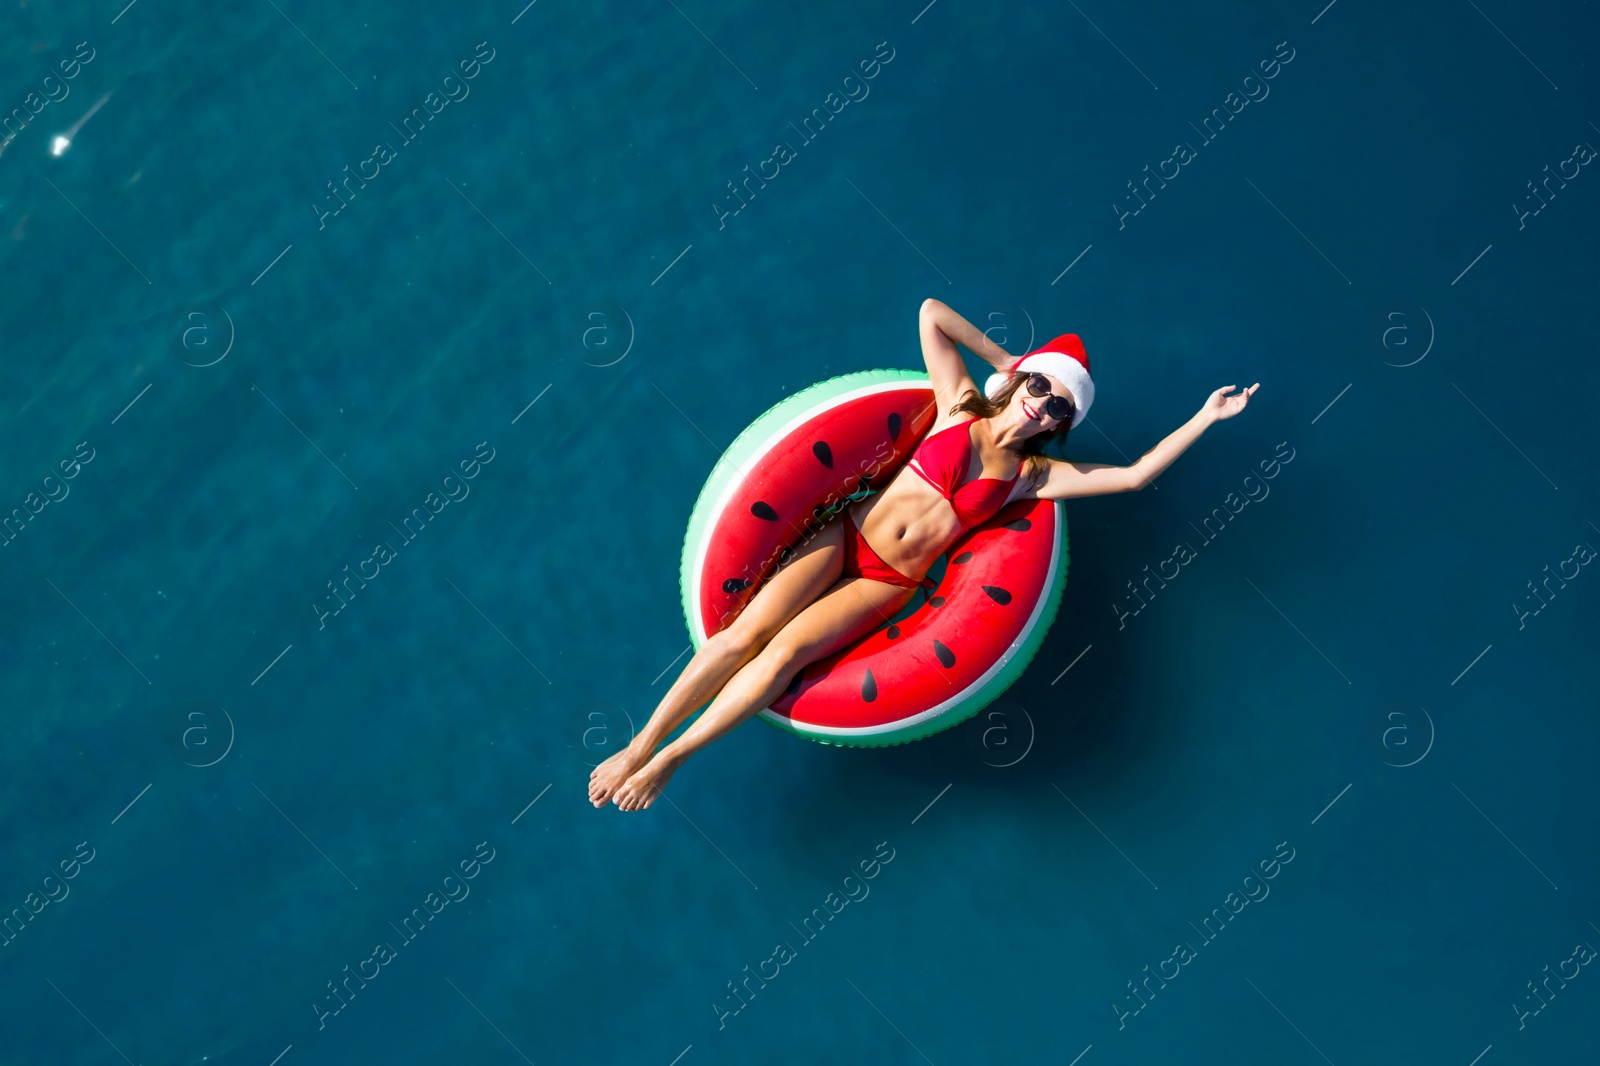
(1027, 410)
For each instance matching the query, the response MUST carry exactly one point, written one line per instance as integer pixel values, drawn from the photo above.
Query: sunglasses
(1057, 407)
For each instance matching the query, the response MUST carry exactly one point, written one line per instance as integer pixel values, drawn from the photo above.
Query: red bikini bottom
(861, 561)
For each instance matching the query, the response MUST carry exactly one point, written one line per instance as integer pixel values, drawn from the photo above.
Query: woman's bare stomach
(908, 524)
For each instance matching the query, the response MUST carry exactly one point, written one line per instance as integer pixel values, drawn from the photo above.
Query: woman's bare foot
(606, 777)
(644, 785)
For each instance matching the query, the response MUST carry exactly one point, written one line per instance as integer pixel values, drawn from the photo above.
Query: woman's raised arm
(941, 329)
(1065, 480)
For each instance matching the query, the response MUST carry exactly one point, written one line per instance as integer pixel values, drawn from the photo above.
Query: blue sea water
(1326, 795)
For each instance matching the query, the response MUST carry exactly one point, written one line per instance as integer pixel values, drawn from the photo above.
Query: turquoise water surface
(1318, 789)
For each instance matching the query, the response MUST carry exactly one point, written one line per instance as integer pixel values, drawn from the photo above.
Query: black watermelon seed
(1021, 525)
(894, 425)
(763, 509)
(823, 453)
(892, 632)
(869, 687)
(794, 686)
(962, 558)
(998, 595)
(936, 601)
(735, 584)
(946, 656)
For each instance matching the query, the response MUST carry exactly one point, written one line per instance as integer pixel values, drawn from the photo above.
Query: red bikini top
(946, 455)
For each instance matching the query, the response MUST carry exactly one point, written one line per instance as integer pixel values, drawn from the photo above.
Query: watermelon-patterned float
(955, 647)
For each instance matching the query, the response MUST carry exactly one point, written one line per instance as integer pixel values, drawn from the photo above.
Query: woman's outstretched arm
(1217, 407)
(1065, 480)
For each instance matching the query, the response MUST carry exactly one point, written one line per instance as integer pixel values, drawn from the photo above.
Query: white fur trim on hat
(1064, 368)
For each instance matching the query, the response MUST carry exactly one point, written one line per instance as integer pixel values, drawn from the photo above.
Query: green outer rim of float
(756, 440)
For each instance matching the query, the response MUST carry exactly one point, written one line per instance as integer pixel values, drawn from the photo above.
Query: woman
(857, 573)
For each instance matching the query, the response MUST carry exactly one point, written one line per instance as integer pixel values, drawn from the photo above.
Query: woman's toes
(622, 796)
(627, 795)
(606, 778)
(641, 788)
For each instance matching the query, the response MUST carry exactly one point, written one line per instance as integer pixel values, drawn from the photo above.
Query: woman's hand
(1219, 405)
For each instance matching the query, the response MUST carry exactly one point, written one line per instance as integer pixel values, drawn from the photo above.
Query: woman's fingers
(1227, 405)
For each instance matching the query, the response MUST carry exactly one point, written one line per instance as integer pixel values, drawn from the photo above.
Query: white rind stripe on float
(753, 460)
(966, 693)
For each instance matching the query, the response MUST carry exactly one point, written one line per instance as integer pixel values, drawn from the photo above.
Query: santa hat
(1063, 359)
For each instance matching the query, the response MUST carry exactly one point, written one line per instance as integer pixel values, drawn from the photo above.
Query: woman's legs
(808, 573)
(850, 610)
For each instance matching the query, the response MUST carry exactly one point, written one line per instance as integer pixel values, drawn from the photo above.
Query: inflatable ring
(955, 648)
